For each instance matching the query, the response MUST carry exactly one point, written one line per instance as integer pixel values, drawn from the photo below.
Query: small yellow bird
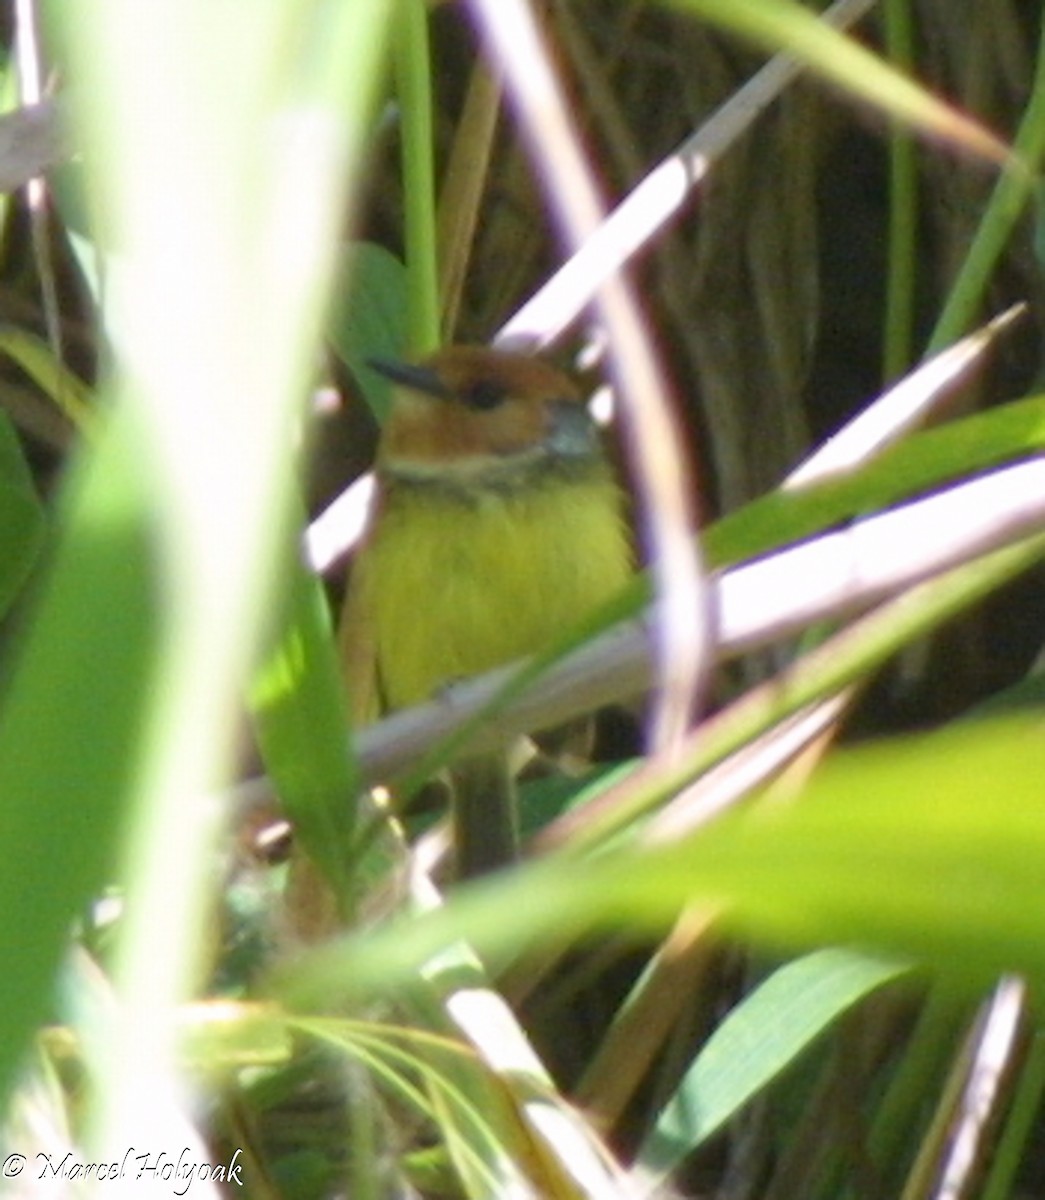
(498, 526)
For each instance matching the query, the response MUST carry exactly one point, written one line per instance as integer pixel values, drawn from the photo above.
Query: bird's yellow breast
(458, 583)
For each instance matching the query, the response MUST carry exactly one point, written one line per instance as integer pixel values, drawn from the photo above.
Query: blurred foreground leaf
(22, 522)
(71, 719)
(929, 847)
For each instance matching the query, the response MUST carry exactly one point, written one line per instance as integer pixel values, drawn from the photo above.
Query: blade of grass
(848, 656)
(996, 1051)
(300, 716)
(786, 25)
(1012, 193)
(848, 865)
(651, 204)
(903, 208)
(909, 403)
(68, 737)
(923, 463)
(251, 102)
(40, 363)
(759, 1040)
(368, 319)
(414, 85)
(23, 523)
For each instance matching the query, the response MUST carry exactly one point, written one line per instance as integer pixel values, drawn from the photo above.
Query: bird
(499, 525)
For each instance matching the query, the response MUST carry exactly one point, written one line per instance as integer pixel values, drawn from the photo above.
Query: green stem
(898, 1121)
(1018, 183)
(903, 210)
(414, 85)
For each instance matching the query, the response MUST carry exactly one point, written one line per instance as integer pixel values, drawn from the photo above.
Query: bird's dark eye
(484, 394)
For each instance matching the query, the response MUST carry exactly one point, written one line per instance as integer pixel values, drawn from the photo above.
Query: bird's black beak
(419, 378)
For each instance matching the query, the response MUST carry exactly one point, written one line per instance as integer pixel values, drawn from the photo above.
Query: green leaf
(929, 847)
(22, 519)
(842, 61)
(369, 317)
(918, 465)
(69, 724)
(37, 360)
(300, 719)
(759, 1040)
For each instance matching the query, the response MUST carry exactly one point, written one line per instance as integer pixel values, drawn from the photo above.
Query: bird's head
(469, 413)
